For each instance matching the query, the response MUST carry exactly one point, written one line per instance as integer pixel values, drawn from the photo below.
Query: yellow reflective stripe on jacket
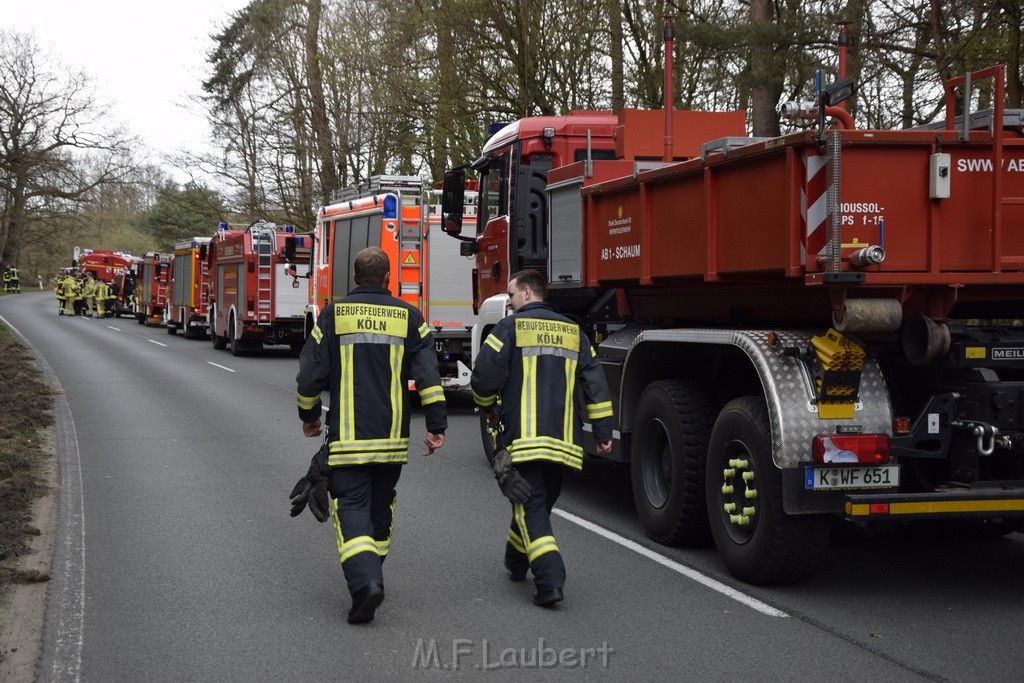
(359, 544)
(544, 544)
(307, 402)
(363, 451)
(396, 354)
(424, 331)
(494, 343)
(484, 401)
(595, 411)
(431, 395)
(547, 448)
(354, 318)
(528, 398)
(567, 411)
(346, 392)
(316, 334)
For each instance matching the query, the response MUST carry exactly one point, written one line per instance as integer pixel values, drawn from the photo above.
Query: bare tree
(51, 124)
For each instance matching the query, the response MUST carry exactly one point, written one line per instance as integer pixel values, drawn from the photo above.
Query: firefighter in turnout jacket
(365, 348)
(534, 361)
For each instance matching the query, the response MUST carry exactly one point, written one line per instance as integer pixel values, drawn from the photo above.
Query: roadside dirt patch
(26, 462)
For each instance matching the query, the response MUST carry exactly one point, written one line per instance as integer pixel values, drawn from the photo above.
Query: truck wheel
(670, 445)
(218, 342)
(140, 318)
(172, 328)
(237, 348)
(486, 438)
(756, 539)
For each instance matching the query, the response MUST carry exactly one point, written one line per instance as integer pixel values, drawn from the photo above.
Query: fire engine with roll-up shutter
(254, 300)
(151, 287)
(188, 302)
(427, 269)
(798, 329)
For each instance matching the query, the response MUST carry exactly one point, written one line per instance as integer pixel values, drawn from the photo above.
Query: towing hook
(985, 433)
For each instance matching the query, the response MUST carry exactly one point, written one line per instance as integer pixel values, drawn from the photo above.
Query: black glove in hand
(511, 483)
(311, 490)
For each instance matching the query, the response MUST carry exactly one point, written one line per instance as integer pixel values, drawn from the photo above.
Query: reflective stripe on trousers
(530, 541)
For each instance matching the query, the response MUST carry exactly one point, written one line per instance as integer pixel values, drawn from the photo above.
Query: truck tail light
(850, 448)
(900, 426)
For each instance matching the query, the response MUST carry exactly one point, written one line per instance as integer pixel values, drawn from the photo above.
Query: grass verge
(26, 408)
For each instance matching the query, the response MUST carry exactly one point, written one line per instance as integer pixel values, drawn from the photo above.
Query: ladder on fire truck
(264, 240)
(409, 190)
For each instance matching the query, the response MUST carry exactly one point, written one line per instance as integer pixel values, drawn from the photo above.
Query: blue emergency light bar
(496, 126)
(223, 226)
(300, 241)
(289, 228)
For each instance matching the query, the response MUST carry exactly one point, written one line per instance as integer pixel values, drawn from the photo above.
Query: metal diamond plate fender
(788, 388)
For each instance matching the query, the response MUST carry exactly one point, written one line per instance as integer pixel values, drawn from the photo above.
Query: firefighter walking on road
(365, 348)
(525, 377)
(102, 294)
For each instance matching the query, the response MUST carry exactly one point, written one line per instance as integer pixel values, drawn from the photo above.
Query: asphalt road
(177, 560)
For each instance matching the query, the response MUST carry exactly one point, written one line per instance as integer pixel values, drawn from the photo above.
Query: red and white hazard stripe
(813, 208)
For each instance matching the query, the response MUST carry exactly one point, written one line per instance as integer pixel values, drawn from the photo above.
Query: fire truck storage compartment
(289, 302)
(184, 266)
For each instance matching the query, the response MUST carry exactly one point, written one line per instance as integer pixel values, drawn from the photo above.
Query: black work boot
(365, 602)
(547, 597)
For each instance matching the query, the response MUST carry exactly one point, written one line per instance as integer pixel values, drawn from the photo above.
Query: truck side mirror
(453, 198)
(289, 249)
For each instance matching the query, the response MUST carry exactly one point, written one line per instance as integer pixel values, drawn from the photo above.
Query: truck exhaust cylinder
(924, 339)
(868, 256)
(869, 315)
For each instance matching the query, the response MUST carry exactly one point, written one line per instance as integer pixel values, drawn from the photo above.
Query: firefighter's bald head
(371, 267)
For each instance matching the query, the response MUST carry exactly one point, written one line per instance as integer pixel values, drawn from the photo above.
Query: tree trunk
(763, 97)
(615, 52)
(318, 104)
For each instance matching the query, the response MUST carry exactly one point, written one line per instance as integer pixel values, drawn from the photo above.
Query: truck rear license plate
(874, 477)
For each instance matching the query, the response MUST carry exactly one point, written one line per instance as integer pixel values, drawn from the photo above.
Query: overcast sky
(147, 58)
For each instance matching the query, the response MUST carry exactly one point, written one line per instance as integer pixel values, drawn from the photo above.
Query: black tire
(770, 547)
(296, 347)
(669, 452)
(237, 348)
(140, 318)
(486, 437)
(172, 328)
(218, 342)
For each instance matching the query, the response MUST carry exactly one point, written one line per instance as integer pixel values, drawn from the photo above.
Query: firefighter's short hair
(532, 279)
(371, 267)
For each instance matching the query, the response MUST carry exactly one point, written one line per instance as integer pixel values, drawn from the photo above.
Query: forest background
(307, 96)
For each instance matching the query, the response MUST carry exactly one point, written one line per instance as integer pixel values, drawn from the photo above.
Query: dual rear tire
(698, 475)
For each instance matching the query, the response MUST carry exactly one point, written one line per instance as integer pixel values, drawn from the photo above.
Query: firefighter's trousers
(530, 541)
(363, 512)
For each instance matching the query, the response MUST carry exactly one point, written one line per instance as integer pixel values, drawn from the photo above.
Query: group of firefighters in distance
(82, 294)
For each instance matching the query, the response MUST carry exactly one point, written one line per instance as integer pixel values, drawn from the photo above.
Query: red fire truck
(188, 301)
(427, 271)
(151, 287)
(795, 329)
(253, 301)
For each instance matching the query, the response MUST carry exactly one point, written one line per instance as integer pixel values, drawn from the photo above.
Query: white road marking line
(693, 574)
(153, 341)
(115, 329)
(219, 366)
